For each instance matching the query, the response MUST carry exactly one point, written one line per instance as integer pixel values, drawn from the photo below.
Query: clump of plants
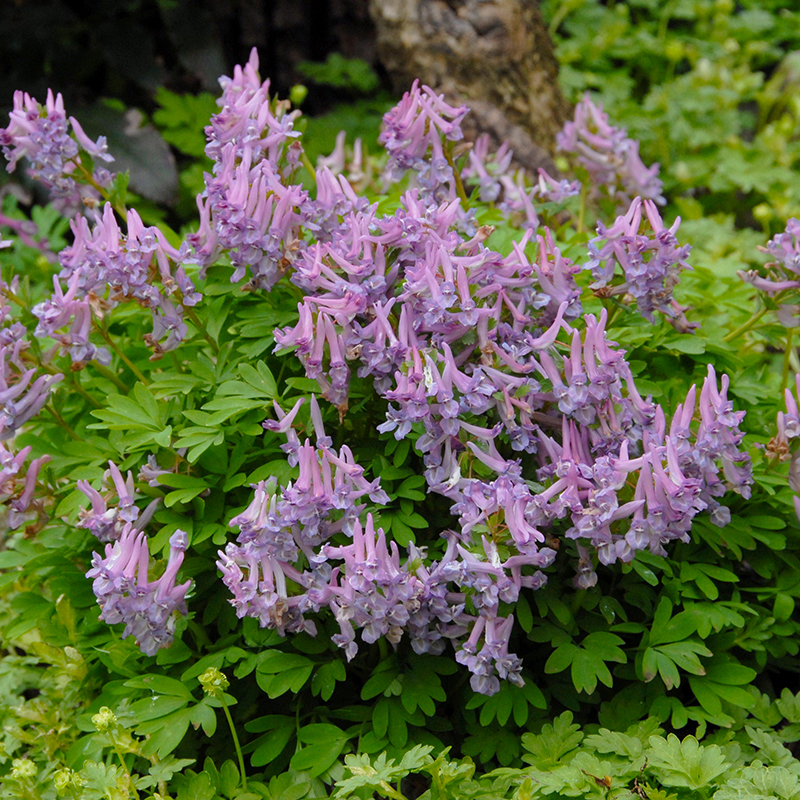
(411, 465)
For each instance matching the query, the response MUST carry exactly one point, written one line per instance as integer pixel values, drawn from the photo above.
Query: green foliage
(182, 117)
(659, 681)
(565, 764)
(709, 88)
(341, 73)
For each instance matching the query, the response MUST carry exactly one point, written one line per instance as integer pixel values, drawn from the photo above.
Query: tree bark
(494, 55)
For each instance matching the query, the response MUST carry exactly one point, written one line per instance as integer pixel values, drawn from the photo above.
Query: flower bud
(104, 719)
(214, 682)
(22, 768)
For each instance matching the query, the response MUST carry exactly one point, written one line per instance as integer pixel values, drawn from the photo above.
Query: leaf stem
(747, 326)
(62, 422)
(125, 767)
(107, 373)
(787, 357)
(200, 327)
(390, 791)
(235, 739)
(131, 366)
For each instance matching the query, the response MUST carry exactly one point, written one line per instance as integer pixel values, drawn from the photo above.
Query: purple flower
(107, 523)
(784, 271)
(609, 156)
(22, 395)
(651, 264)
(125, 593)
(40, 134)
(12, 476)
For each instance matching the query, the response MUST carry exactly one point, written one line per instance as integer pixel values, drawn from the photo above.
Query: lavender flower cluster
(609, 155)
(249, 210)
(125, 593)
(17, 483)
(110, 513)
(22, 393)
(780, 446)
(651, 264)
(40, 134)
(413, 136)
(783, 273)
(525, 412)
(490, 174)
(102, 266)
(479, 356)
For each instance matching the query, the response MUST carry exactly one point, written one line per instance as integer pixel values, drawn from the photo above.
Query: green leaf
(422, 688)
(378, 683)
(588, 660)
(554, 742)
(685, 763)
(759, 782)
(100, 780)
(324, 744)
(278, 673)
(177, 481)
(324, 681)
(182, 117)
(165, 733)
(157, 706)
(160, 684)
(260, 378)
(380, 717)
(228, 778)
(272, 744)
(408, 488)
(341, 73)
(182, 496)
(166, 768)
(198, 787)
(204, 716)
(561, 658)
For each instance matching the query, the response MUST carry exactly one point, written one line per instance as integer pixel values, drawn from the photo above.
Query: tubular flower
(125, 593)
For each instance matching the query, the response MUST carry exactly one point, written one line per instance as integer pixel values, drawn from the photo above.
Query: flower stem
(107, 373)
(751, 323)
(62, 422)
(787, 357)
(310, 167)
(131, 366)
(200, 327)
(582, 211)
(448, 154)
(89, 178)
(125, 768)
(71, 377)
(235, 740)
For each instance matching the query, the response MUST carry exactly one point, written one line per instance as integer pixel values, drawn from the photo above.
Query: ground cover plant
(424, 475)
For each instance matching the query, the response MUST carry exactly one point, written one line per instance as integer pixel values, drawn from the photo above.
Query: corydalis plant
(525, 413)
(126, 594)
(651, 261)
(469, 348)
(609, 155)
(40, 134)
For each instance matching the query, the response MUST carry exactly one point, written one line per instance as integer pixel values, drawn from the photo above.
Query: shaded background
(128, 48)
(113, 59)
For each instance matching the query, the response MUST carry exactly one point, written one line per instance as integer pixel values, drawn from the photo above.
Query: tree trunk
(494, 55)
